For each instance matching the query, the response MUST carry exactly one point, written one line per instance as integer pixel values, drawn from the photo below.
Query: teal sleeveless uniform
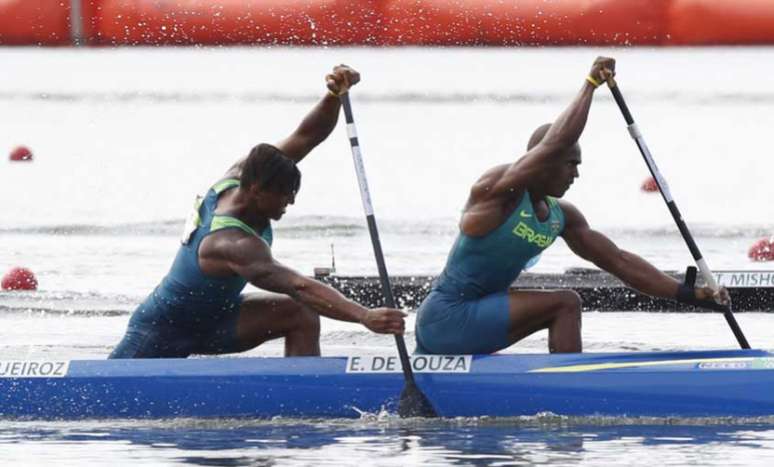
(466, 311)
(190, 312)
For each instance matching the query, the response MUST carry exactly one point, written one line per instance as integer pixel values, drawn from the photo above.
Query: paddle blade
(413, 403)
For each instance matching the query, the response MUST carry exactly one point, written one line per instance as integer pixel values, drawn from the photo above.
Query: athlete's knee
(306, 320)
(569, 302)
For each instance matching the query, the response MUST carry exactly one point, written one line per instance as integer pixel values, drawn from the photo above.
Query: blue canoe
(737, 383)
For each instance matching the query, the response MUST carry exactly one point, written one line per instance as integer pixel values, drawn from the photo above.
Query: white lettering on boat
(759, 363)
(419, 363)
(726, 365)
(31, 369)
(745, 278)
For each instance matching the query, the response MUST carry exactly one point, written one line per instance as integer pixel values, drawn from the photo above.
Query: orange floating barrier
(716, 22)
(389, 22)
(164, 22)
(34, 22)
(529, 22)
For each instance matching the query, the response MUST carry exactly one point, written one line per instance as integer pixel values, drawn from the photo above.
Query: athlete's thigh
(264, 316)
(447, 325)
(531, 310)
(159, 341)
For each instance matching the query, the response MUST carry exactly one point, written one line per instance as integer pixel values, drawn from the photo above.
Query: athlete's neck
(536, 197)
(539, 205)
(238, 203)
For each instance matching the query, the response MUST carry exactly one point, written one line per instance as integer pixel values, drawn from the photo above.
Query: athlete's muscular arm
(628, 267)
(321, 121)
(562, 135)
(251, 258)
(594, 246)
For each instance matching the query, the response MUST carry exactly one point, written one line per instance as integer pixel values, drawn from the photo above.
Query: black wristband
(685, 294)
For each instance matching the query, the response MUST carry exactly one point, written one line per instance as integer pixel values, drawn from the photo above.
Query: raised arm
(321, 121)
(251, 258)
(562, 136)
(630, 268)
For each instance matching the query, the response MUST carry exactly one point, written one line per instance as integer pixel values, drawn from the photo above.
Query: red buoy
(762, 250)
(649, 185)
(19, 279)
(21, 153)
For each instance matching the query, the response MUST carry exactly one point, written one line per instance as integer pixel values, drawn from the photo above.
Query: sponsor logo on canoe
(727, 365)
(419, 363)
(29, 369)
(745, 278)
(746, 363)
(763, 363)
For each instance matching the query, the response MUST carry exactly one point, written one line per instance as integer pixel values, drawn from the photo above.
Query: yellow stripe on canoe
(615, 366)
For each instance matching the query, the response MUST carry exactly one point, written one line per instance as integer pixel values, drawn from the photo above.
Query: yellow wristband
(333, 93)
(594, 82)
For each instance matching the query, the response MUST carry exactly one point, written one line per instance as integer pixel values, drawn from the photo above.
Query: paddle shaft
(365, 196)
(663, 187)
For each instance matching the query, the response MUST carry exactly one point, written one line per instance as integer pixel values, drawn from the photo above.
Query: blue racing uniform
(466, 311)
(190, 312)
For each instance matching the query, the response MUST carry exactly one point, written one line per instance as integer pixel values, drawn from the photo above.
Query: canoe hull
(662, 384)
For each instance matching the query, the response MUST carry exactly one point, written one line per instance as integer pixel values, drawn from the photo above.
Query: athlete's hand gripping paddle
(634, 131)
(413, 403)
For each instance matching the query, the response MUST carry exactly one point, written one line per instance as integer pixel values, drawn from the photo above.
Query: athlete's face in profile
(565, 172)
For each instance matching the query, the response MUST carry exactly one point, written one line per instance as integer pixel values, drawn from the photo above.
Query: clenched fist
(341, 79)
(384, 321)
(603, 69)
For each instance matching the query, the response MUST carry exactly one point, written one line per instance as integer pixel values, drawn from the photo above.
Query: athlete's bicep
(586, 242)
(251, 258)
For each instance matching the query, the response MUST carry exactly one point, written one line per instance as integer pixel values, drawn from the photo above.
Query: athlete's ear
(253, 190)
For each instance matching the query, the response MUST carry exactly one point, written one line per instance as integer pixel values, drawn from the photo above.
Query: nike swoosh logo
(524, 213)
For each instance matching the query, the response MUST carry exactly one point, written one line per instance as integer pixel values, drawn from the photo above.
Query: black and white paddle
(634, 131)
(413, 403)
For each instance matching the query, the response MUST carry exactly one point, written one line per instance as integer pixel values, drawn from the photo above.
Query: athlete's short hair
(538, 135)
(271, 170)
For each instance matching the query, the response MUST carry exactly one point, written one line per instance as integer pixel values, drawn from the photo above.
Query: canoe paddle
(634, 131)
(413, 403)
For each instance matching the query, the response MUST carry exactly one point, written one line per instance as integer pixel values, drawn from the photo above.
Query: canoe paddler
(512, 214)
(199, 308)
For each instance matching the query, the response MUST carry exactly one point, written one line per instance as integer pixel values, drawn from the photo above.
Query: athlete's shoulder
(572, 215)
(225, 183)
(488, 179)
(235, 171)
(234, 244)
(485, 192)
(563, 203)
